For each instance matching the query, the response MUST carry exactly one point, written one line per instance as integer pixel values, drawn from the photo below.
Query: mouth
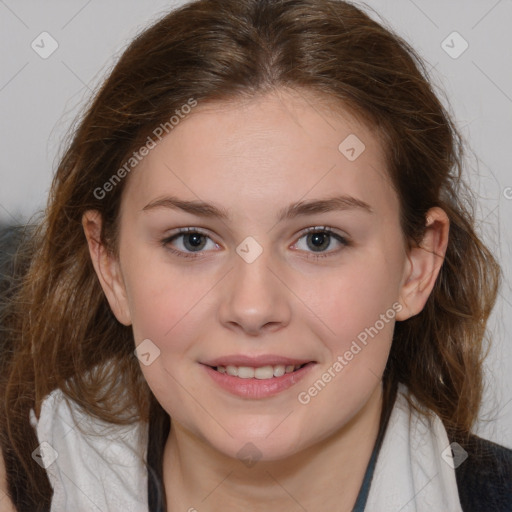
(257, 379)
(260, 372)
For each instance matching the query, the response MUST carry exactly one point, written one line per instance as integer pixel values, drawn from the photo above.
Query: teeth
(262, 372)
(244, 372)
(279, 370)
(232, 370)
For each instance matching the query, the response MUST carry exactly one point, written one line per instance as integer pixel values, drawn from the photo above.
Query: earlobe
(423, 264)
(106, 266)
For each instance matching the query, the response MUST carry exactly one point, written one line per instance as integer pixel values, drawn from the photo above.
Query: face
(318, 288)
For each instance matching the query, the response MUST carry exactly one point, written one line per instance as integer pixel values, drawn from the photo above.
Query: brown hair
(60, 326)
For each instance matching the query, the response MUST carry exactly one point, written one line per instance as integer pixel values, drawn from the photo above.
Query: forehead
(271, 149)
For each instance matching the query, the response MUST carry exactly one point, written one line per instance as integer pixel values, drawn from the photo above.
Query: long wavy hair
(58, 330)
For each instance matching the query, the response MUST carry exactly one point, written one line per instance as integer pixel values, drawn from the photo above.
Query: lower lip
(258, 388)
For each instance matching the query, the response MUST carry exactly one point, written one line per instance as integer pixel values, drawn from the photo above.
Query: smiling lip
(256, 388)
(255, 361)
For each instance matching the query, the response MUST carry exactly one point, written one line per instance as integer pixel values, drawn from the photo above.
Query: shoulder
(91, 453)
(484, 478)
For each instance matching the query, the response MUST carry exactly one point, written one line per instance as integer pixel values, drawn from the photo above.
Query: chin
(263, 447)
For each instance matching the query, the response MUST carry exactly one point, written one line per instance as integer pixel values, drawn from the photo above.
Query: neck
(197, 476)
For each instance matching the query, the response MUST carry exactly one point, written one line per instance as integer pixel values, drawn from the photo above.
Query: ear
(423, 264)
(107, 267)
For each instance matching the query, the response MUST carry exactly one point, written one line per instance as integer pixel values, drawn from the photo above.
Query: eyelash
(325, 229)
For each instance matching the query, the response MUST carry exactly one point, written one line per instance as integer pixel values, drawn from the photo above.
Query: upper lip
(255, 361)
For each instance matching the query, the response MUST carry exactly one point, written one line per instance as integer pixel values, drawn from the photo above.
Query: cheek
(358, 320)
(167, 307)
(162, 297)
(353, 297)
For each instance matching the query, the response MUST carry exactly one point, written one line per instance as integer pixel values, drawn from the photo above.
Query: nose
(254, 298)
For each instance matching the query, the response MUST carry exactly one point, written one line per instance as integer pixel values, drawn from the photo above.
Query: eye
(318, 239)
(193, 241)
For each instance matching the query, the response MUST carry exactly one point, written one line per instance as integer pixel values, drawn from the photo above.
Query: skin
(253, 158)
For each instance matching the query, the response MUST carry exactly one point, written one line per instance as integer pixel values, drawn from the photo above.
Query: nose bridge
(254, 298)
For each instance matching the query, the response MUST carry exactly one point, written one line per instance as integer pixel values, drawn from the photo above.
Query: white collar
(414, 470)
(101, 470)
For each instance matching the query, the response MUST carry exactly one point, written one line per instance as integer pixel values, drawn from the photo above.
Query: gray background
(40, 97)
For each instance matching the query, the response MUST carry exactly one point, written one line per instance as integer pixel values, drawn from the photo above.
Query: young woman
(257, 284)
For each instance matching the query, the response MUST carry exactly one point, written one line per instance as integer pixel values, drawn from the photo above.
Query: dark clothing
(484, 479)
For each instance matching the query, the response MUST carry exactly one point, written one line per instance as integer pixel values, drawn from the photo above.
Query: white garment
(410, 474)
(102, 471)
(106, 472)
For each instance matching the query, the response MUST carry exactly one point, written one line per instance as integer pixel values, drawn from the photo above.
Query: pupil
(322, 238)
(194, 240)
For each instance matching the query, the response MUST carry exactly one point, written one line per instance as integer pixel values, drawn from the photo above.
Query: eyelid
(322, 229)
(183, 231)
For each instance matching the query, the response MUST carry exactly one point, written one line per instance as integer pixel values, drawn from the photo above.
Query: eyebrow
(300, 208)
